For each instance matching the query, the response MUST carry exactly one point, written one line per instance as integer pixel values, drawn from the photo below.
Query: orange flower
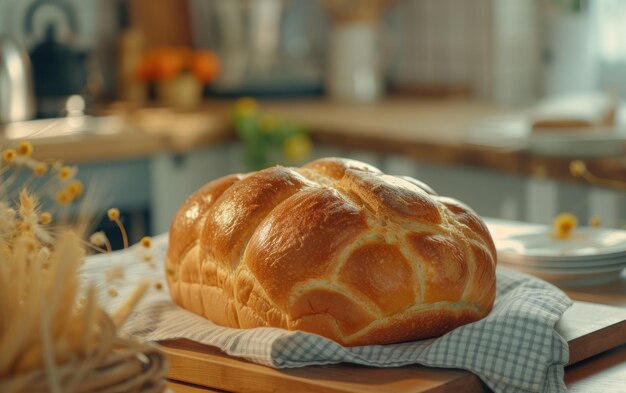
(168, 62)
(163, 63)
(204, 65)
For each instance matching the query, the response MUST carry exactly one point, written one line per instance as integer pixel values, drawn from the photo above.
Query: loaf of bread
(334, 248)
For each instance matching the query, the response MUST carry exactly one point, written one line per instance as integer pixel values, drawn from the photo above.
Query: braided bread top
(335, 248)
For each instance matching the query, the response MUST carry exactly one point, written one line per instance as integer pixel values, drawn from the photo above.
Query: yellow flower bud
(66, 173)
(98, 238)
(8, 155)
(577, 168)
(564, 224)
(76, 188)
(113, 214)
(146, 241)
(268, 123)
(297, 147)
(24, 148)
(45, 218)
(64, 198)
(595, 222)
(246, 107)
(40, 169)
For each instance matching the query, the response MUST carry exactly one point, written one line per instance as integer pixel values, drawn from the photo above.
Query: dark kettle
(58, 69)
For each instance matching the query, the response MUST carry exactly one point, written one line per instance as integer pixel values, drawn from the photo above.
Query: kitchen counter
(440, 132)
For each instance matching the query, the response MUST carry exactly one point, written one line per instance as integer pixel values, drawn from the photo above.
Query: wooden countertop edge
(165, 138)
(136, 145)
(197, 367)
(93, 148)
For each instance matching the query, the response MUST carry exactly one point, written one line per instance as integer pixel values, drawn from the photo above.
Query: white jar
(355, 68)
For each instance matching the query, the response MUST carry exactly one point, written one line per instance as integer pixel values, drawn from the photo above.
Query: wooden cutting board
(588, 328)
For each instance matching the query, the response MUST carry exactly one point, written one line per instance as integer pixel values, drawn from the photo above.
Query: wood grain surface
(202, 365)
(605, 373)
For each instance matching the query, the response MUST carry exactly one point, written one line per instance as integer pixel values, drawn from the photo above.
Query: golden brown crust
(335, 248)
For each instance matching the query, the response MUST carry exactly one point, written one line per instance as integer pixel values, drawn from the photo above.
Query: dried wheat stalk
(53, 337)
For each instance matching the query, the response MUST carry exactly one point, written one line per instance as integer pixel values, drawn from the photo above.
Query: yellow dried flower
(45, 218)
(577, 168)
(564, 224)
(63, 198)
(9, 155)
(76, 188)
(146, 241)
(113, 214)
(40, 169)
(158, 286)
(24, 149)
(112, 292)
(66, 173)
(595, 222)
(98, 238)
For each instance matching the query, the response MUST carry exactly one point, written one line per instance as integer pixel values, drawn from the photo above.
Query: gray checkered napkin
(514, 349)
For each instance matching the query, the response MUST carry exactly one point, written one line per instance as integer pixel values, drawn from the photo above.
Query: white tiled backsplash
(490, 47)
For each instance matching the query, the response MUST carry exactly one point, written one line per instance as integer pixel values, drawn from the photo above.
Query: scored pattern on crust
(335, 248)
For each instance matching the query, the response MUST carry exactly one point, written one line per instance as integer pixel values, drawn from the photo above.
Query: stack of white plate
(589, 256)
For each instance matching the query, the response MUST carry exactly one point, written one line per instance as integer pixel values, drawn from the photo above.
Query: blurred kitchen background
(488, 101)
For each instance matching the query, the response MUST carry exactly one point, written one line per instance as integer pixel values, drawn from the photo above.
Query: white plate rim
(614, 251)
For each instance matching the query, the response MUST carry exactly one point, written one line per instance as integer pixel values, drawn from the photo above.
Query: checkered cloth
(514, 349)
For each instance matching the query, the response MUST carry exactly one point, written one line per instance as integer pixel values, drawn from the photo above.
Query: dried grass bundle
(53, 336)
